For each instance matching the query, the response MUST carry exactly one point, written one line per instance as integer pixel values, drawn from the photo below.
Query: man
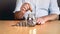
(45, 10)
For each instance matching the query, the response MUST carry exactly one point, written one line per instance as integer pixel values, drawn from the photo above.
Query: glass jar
(31, 20)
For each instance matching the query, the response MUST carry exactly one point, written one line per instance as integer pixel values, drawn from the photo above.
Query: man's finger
(23, 9)
(30, 8)
(42, 22)
(38, 21)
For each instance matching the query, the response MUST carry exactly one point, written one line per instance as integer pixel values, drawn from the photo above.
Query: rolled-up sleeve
(54, 9)
(18, 5)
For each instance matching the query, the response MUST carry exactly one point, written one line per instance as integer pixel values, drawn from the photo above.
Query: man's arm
(51, 17)
(18, 15)
(44, 19)
(54, 10)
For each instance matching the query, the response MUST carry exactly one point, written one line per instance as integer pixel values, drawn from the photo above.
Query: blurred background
(7, 7)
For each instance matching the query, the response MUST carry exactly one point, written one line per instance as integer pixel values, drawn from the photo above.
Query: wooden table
(52, 27)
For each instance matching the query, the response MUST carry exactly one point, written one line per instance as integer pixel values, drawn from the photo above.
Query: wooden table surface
(52, 27)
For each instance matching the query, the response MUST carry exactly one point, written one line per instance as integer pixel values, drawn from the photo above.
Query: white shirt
(40, 7)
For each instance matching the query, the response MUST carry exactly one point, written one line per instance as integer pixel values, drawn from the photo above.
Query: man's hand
(40, 21)
(25, 7)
